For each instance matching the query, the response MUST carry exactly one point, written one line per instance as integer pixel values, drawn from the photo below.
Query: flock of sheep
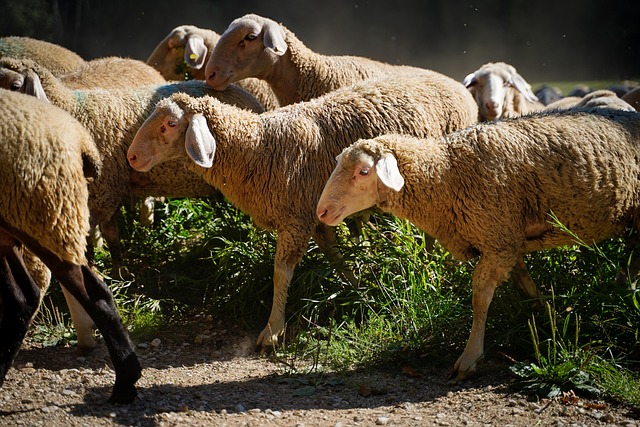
(298, 141)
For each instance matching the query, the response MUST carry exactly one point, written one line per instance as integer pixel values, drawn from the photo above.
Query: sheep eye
(363, 172)
(16, 86)
(250, 37)
(172, 123)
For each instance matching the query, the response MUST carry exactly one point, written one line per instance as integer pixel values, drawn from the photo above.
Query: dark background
(545, 40)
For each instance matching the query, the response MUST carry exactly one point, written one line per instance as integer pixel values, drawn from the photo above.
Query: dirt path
(200, 374)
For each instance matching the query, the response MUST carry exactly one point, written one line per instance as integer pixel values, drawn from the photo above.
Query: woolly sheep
(272, 166)
(55, 58)
(182, 54)
(500, 92)
(113, 72)
(490, 190)
(255, 46)
(112, 117)
(602, 98)
(45, 157)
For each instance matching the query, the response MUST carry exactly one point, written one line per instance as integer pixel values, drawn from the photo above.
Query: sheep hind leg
(96, 298)
(526, 285)
(488, 274)
(20, 298)
(325, 238)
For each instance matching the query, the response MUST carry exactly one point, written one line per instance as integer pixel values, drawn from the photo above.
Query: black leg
(20, 298)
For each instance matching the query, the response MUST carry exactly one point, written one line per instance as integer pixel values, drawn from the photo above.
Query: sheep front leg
(289, 250)
(489, 273)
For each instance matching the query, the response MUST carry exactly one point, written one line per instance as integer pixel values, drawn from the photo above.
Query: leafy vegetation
(412, 303)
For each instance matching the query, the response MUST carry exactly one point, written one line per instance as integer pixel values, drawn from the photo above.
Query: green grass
(412, 303)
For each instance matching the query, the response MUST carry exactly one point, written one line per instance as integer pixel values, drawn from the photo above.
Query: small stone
(143, 345)
(239, 408)
(68, 392)
(382, 421)
(609, 418)
(156, 342)
(183, 408)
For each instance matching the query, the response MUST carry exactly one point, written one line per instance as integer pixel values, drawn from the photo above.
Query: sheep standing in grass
(112, 117)
(272, 166)
(57, 59)
(254, 46)
(45, 156)
(501, 92)
(183, 54)
(491, 190)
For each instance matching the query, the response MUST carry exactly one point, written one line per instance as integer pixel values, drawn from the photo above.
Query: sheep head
(354, 184)
(183, 53)
(249, 47)
(21, 75)
(169, 133)
(491, 85)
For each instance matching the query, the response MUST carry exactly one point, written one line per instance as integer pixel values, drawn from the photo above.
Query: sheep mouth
(222, 85)
(141, 166)
(330, 216)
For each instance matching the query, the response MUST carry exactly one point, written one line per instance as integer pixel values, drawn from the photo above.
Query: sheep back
(55, 58)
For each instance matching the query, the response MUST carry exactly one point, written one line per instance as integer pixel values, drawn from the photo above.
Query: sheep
(548, 94)
(602, 98)
(182, 54)
(57, 59)
(255, 46)
(633, 98)
(273, 165)
(112, 117)
(500, 92)
(490, 190)
(112, 72)
(46, 157)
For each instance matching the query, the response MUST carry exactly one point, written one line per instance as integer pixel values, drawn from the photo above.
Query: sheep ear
(274, 38)
(469, 80)
(523, 87)
(33, 87)
(199, 142)
(195, 52)
(388, 172)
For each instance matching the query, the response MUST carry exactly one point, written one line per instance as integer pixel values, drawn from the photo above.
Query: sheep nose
(321, 213)
(491, 105)
(212, 76)
(132, 158)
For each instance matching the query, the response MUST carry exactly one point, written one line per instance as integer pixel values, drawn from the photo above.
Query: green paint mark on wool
(10, 48)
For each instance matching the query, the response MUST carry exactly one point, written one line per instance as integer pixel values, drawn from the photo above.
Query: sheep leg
(526, 285)
(20, 297)
(96, 298)
(489, 273)
(325, 238)
(289, 250)
(112, 237)
(82, 323)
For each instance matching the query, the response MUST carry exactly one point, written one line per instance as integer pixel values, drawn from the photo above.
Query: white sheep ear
(33, 87)
(523, 87)
(388, 172)
(195, 52)
(199, 142)
(469, 80)
(274, 38)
